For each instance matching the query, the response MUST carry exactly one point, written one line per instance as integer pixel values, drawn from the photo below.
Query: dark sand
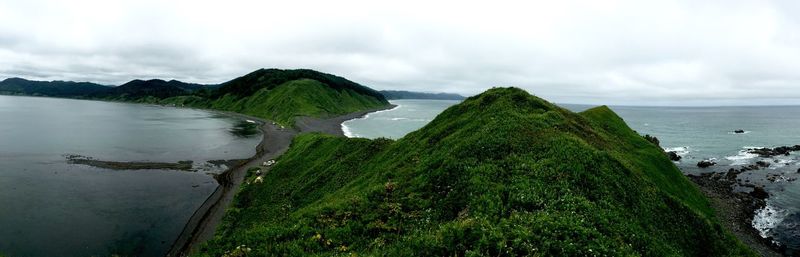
(276, 140)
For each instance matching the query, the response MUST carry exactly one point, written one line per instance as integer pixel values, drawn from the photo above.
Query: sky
(725, 52)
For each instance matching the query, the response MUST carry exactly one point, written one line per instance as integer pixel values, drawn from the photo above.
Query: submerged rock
(759, 192)
(770, 152)
(706, 163)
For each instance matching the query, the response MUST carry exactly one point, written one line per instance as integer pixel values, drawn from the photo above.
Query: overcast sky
(596, 52)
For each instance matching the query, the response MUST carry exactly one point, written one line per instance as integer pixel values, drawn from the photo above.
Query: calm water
(51, 208)
(695, 133)
(409, 115)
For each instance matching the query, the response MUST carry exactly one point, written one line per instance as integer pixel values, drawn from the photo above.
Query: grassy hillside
(302, 97)
(502, 174)
(295, 96)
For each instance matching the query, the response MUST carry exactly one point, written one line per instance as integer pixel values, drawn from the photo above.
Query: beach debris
(706, 163)
(250, 121)
(258, 172)
(268, 163)
(259, 180)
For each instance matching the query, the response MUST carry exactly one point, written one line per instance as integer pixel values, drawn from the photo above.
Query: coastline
(735, 211)
(275, 141)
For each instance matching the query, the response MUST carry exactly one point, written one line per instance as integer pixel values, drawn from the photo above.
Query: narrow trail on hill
(275, 141)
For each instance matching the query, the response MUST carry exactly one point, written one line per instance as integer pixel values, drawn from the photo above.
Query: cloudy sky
(596, 52)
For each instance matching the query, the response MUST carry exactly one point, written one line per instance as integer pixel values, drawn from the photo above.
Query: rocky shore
(737, 209)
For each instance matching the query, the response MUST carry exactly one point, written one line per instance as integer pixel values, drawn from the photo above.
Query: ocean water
(407, 116)
(695, 133)
(51, 208)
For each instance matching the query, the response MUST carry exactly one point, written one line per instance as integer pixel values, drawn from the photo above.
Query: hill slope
(282, 95)
(502, 173)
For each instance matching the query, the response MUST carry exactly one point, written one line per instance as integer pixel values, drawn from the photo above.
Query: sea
(49, 207)
(695, 133)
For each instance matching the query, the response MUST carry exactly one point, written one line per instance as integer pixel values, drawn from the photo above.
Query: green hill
(503, 173)
(282, 95)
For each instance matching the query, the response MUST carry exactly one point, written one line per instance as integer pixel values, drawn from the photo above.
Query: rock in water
(738, 131)
(759, 192)
(706, 163)
(673, 156)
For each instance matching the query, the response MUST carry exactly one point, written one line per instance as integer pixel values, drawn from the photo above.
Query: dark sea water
(51, 208)
(696, 133)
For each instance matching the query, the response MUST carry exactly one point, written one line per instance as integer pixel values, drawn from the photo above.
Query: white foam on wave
(768, 218)
(398, 119)
(680, 150)
(349, 133)
(742, 158)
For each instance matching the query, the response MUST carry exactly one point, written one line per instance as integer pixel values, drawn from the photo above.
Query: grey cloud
(599, 52)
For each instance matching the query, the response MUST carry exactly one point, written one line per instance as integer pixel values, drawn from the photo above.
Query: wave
(743, 157)
(767, 218)
(349, 133)
(346, 130)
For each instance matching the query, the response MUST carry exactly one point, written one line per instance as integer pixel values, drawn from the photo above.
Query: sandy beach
(275, 141)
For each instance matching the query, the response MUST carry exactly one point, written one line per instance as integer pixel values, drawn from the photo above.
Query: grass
(304, 97)
(502, 174)
(285, 102)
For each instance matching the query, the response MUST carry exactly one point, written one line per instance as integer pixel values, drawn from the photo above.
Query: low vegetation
(503, 173)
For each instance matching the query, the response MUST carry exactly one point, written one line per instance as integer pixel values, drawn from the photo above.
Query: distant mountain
(395, 94)
(157, 88)
(274, 94)
(18, 86)
(503, 173)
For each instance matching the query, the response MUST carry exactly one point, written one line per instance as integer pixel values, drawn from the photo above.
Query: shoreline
(735, 210)
(202, 226)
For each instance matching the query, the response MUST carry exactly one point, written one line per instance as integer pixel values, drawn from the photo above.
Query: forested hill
(18, 86)
(503, 173)
(396, 95)
(274, 94)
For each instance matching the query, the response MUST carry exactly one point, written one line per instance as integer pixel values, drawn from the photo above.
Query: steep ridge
(502, 173)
